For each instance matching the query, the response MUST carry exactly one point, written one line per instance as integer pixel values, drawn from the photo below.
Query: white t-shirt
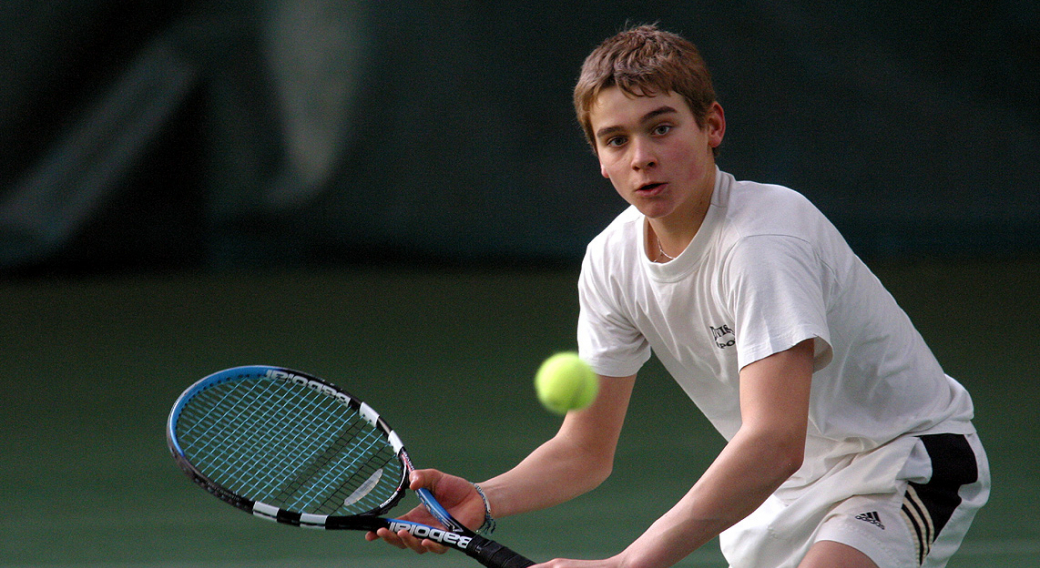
(766, 271)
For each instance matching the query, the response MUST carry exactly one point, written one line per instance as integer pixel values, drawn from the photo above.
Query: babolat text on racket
(290, 447)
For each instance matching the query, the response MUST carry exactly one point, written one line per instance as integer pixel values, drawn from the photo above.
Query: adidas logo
(872, 518)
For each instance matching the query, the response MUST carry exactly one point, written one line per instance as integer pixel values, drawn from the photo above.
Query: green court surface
(92, 366)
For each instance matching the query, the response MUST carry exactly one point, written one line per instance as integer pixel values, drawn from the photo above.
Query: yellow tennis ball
(564, 382)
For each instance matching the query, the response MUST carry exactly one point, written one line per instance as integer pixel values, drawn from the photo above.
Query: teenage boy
(847, 444)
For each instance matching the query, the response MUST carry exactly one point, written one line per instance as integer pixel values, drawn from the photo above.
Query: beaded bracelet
(489, 522)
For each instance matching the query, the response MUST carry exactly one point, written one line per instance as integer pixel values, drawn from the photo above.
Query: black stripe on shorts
(927, 507)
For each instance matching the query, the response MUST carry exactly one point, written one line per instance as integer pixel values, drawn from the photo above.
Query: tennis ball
(564, 382)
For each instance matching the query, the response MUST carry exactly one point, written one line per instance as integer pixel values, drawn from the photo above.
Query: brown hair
(644, 61)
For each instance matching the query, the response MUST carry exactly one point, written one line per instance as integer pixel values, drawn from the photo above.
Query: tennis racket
(293, 448)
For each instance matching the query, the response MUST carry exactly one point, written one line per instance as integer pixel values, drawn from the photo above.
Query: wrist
(488, 525)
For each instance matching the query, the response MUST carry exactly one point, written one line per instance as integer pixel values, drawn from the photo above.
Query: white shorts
(914, 518)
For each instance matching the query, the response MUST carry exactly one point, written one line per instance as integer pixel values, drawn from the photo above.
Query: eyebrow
(646, 118)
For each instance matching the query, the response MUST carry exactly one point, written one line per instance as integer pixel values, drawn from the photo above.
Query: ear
(715, 125)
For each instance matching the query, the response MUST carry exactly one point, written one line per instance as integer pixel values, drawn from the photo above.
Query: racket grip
(494, 555)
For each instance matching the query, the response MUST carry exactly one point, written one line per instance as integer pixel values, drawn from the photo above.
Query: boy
(847, 445)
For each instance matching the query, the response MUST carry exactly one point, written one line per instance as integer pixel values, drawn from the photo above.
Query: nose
(643, 154)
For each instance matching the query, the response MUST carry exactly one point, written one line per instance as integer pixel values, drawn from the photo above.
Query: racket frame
(455, 535)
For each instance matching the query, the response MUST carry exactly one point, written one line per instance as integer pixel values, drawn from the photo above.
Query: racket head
(287, 446)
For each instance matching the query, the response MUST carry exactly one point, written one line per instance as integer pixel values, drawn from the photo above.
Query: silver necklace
(661, 250)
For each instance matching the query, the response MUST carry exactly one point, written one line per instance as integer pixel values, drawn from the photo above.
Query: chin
(653, 210)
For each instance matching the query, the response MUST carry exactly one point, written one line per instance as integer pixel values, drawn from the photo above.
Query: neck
(676, 230)
(669, 237)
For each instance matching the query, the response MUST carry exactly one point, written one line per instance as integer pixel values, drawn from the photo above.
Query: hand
(456, 494)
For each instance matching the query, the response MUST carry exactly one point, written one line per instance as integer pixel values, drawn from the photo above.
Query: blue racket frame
(455, 535)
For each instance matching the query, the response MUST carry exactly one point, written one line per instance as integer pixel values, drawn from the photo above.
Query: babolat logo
(438, 535)
(310, 383)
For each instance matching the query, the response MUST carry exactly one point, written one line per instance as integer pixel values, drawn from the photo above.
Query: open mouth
(650, 187)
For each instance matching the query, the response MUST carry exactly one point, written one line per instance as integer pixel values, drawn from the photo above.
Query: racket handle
(494, 555)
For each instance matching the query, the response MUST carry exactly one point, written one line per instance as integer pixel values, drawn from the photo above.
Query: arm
(768, 448)
(576, 460)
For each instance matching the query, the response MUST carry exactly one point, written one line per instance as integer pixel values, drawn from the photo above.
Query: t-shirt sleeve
(607, 339)
(777, 290)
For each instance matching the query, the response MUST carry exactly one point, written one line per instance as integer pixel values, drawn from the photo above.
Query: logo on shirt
(724, 336)
(872, 518)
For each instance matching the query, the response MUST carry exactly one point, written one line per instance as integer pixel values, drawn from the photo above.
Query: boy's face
(654, 153)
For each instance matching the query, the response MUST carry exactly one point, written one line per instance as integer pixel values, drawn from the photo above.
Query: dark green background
(93, 365)
(150, 134)
(395, 196)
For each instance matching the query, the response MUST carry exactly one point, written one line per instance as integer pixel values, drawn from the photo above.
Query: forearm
(554, 473)
(573, 462)
(745, 473)
(768, 449)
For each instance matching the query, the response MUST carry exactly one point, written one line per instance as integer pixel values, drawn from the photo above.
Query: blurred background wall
(165, 135)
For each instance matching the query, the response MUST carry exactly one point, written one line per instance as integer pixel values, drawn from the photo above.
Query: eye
(662, 129)
(615, 141)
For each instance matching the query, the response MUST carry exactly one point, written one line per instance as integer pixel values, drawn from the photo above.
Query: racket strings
(289, 446)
